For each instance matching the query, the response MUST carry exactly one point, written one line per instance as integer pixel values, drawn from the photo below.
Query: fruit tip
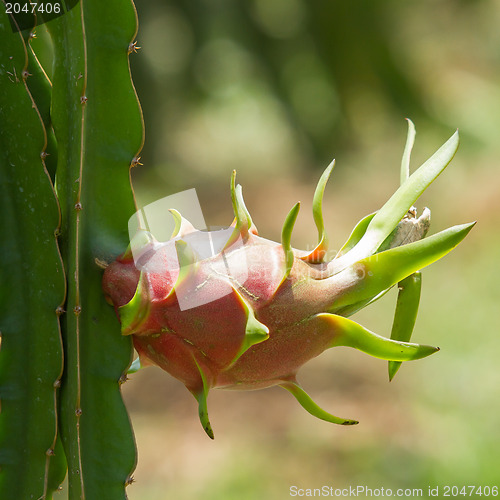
(350, 422)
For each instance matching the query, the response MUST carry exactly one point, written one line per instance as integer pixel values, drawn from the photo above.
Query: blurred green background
(276, 89)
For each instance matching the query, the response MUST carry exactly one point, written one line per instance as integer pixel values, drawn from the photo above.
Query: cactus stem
(43, 154)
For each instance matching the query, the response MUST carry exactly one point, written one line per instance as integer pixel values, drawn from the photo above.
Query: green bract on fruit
(251, 315)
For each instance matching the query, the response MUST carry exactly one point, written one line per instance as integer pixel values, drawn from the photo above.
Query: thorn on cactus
(250, 315)
(133, 47)
(136, 160)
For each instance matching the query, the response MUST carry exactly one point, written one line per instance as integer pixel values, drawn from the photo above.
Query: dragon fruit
(251, 315)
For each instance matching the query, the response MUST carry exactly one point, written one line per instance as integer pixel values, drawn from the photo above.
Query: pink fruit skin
(211, 334)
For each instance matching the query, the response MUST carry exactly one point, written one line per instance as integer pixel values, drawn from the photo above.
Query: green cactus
(32, 286)
(64, 209)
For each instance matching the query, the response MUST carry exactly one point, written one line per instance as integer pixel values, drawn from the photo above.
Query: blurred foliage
(276, 89)
(283, 86)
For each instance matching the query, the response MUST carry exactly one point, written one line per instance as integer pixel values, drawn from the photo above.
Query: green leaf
(255, 331)
(393, 211)
(136, 311)
(182, 225)
(135, 366)
(310, 406)
(243, 221)
(286, 239)
(406, 313)
(348, 333)
(201, 397)
(372, 275)
(405, 162)
(356, 234)
(319, 253)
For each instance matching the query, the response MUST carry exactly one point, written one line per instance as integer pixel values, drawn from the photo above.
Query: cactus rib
(99, 128)
(32, 461)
